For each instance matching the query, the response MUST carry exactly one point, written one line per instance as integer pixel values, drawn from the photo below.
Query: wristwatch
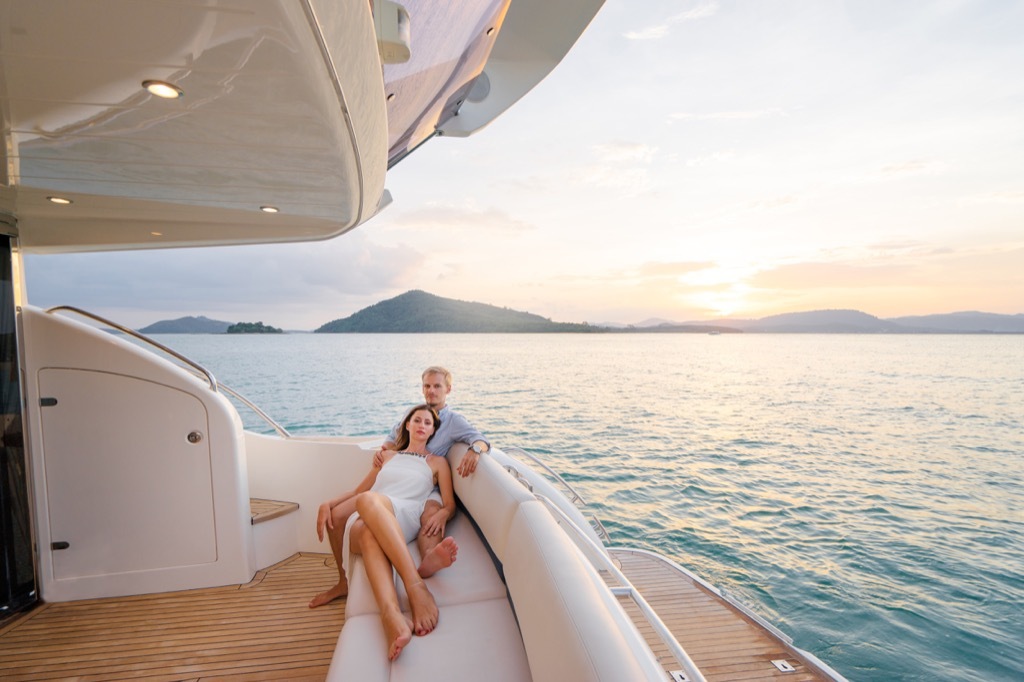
(476, 448)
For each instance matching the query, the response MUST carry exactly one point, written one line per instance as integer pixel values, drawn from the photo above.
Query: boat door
(17, 574)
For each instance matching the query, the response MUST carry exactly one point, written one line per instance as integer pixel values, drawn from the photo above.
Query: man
(454, 428)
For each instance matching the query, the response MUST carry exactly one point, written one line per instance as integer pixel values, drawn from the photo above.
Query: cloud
(820, 275)
(914, 167)
(1006, 197)
(623, 152)
(771, 204)
(658, 31)
(451, 217)
(198, 281)
(750, 115)
(673, 269)
(620, 166)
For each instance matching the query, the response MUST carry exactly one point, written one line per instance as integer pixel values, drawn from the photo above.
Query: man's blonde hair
(437, 369)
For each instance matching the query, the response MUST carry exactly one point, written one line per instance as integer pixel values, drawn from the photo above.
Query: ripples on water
(864, 493)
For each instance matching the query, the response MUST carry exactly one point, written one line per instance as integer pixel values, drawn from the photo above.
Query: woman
(389, 503)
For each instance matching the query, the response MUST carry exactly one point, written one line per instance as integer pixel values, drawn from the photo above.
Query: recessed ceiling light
(269, 209)
(59, 200)
(157, 234)
(163, 89)
(490, 30)
(391, 96)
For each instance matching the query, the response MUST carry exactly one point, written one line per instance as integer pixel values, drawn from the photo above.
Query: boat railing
(186, 363)
(281, 431)
(625, 588)
(569, 491)
(141, 337)
(575, 498)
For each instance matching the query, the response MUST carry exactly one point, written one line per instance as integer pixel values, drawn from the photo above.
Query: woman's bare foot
(398, 632)
(336, 592)
(442, 556)
(424, 609)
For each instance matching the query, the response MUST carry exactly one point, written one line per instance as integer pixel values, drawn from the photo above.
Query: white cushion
(491, 495)
(354, 657)
(573, 628)
(471, 642)
(471, 578)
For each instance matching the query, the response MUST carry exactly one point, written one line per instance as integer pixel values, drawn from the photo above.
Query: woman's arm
(324, 518)
(443, 477)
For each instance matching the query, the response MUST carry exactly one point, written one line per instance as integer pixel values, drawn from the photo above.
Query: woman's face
(421, 425)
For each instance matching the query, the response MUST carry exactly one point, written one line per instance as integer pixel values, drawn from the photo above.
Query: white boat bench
(524, 605)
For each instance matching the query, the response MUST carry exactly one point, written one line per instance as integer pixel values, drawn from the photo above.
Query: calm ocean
(865, 493)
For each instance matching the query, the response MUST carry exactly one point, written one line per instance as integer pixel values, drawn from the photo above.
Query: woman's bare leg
(376, 512)
(397, 628)
(339, 516)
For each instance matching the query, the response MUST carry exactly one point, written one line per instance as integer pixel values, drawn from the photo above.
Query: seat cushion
(472, 577)
(573, 628)
(474, 641)
(491, 495)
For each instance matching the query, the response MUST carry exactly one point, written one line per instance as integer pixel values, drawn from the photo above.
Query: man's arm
(464, 432)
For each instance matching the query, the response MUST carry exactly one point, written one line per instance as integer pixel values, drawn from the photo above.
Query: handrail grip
(283, 432)
(541, 464)
(141, 337)
(627, 589)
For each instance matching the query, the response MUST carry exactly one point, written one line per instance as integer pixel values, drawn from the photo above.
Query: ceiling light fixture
(269, 209)
(59, 200)
(163, 89)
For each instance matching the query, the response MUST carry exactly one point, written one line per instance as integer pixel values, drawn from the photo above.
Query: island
(253, 328)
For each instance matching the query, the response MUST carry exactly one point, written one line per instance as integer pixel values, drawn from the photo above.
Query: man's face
(435, 390)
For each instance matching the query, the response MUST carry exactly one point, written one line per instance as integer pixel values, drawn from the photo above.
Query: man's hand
(378, 457)
(323, 520)
(468, 463)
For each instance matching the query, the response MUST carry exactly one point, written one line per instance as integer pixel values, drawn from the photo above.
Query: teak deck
(725, 644)
(264, 630)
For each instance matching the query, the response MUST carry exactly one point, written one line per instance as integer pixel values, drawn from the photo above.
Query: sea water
(864, 493)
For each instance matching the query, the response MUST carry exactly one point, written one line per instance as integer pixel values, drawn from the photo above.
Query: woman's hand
(323, 520)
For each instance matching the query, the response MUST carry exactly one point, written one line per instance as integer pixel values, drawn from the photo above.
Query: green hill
(419, 312)
(187, 325)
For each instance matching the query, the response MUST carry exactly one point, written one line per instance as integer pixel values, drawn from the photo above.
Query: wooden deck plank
(725, 644)
(264, 510)
(263, 630)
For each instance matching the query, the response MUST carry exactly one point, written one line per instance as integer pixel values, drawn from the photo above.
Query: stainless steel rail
(576, 497)
(188, 365)
(627, 589)
(281, 431)
(141, 337)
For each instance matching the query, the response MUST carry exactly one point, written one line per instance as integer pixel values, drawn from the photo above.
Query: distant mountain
(821, 321)
(187, 325)
(968, 321)
(857, 322)
(419, 312)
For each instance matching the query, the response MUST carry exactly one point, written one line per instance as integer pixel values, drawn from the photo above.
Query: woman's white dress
(407, 480)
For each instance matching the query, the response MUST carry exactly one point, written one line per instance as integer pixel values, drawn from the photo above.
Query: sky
(688, 160)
